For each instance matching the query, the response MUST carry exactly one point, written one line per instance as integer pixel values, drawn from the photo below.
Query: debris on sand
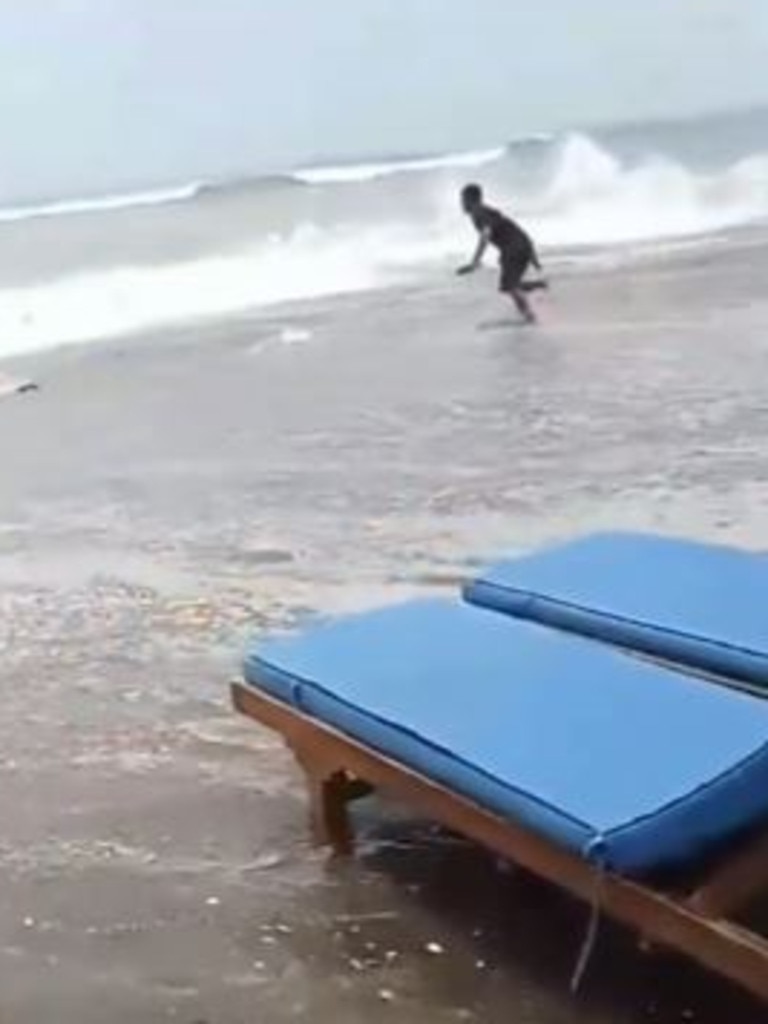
(16, 386)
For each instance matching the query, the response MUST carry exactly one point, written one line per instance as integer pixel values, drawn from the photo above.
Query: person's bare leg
(524, 307)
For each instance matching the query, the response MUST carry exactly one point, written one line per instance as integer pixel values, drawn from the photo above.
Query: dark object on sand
(15, 386)
(640, 787)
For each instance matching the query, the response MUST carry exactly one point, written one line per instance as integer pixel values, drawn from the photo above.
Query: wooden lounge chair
(597, 771)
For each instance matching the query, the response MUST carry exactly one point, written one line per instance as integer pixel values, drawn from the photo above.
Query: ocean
(84, 268)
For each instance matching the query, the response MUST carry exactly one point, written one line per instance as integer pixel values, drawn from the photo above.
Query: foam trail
(347, 174)
(127, 299)
(102, 204)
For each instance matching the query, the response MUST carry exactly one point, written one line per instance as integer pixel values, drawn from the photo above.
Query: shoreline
(564, 263)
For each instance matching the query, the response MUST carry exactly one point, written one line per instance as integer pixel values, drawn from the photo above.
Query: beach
(167, 495)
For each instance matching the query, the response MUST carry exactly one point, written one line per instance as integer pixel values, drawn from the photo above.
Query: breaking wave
(579, 193)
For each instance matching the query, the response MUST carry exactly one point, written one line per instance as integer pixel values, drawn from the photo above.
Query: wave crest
(344, 174)
(102, 204)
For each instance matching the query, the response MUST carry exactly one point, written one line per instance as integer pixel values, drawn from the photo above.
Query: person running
(516, 250)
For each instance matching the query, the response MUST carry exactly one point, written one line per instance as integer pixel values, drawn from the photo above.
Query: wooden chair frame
(694, 921)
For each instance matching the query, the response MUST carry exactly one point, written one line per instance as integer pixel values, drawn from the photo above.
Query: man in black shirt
(516, 250)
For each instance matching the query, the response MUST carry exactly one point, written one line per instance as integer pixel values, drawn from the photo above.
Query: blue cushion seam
(532, 596)
(661, 812)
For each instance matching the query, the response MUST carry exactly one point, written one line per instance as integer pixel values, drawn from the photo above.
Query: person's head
(471, 198)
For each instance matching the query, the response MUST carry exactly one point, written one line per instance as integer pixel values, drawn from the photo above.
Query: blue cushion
(616, 759)
(699, 605)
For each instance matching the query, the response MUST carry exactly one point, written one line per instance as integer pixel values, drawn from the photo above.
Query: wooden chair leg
(329, 809)
(735, 884)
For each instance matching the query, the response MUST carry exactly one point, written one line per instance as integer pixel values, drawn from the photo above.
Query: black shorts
(513, 263)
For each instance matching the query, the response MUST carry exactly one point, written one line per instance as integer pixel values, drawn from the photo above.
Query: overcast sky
(103, 93)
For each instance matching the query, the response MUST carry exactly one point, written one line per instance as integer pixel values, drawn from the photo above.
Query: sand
(163, 498)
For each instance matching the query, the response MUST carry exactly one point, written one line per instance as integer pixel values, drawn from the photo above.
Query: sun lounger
(698, 605)
(593, 769)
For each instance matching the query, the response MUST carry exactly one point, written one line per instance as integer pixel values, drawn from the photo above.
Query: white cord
(590, 939)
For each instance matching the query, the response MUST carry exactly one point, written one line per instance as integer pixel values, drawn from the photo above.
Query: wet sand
(163, 498)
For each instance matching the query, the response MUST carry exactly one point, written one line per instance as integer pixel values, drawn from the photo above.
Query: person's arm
(477, 260)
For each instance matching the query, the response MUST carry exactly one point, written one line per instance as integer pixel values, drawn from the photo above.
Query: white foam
(101, 204)
(349, 173)
(308, 264)
(295, 335)
(593, 198)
